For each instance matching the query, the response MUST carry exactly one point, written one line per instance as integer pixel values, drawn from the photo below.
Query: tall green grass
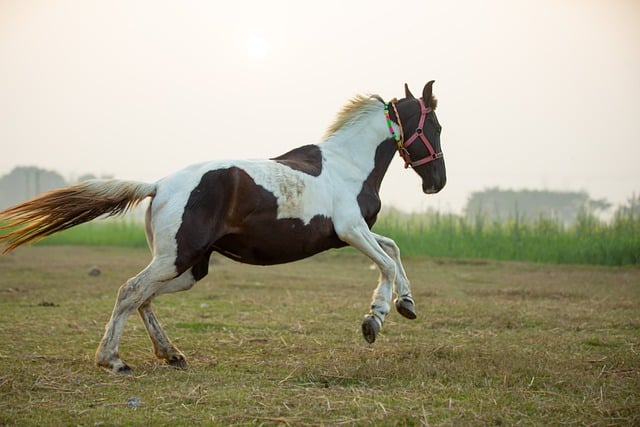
(588, 241)
(108, 232)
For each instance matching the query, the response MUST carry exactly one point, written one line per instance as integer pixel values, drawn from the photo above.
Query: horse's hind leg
(404, 302)
(163, 348)
(134, 293)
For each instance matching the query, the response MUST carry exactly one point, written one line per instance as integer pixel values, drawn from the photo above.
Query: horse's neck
(355, 146)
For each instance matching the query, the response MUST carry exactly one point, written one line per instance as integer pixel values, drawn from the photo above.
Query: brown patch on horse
(307, 159)
(369, 198)
(229, 213)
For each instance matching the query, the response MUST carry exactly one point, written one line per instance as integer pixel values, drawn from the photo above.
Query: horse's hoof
(370, 328)
(405, 308)
(123, 370)
(177, 361)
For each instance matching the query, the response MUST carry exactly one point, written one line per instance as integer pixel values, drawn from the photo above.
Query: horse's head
(419, 140)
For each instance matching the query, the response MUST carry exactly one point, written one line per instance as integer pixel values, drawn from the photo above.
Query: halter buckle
(404, 154)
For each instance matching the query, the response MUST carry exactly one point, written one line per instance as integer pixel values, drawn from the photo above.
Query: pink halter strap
(419, 134)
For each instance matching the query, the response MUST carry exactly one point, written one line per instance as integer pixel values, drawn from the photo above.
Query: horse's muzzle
(433, 188)
(434, 185)
(430, 190)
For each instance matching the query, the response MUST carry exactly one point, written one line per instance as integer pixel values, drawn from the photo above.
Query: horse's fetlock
(380, 309)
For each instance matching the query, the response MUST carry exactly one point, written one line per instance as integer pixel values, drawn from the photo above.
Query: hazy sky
(540, 94)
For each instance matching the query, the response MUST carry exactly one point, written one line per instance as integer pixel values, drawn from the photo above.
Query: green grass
(495, 343)
(109, 232)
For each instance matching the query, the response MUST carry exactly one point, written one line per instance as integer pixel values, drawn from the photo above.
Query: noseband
(417, 134)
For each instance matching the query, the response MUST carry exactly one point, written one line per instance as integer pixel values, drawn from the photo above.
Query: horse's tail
(64, 208)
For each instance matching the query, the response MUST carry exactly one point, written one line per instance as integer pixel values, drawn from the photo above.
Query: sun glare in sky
(258, 46)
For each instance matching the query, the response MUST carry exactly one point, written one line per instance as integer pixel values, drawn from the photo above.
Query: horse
(263, 212)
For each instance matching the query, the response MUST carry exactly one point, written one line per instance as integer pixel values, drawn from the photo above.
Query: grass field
(495, 343)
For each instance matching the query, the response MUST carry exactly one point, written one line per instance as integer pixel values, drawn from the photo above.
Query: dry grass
(498, 343)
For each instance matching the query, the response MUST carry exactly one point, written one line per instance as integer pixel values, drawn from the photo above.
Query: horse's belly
(282, 241)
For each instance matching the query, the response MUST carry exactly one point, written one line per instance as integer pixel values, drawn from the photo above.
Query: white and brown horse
(313, 198)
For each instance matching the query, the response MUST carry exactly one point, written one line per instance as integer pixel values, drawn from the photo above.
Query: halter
(418, 134)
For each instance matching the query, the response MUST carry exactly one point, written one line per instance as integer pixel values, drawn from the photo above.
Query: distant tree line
(495, 204)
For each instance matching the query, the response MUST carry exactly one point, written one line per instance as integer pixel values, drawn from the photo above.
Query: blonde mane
(357, 107)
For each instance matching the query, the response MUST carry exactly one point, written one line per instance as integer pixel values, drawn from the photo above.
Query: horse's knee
(391, 248)
(388, 269)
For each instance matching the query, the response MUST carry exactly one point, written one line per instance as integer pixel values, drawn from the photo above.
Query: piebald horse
(313, 198)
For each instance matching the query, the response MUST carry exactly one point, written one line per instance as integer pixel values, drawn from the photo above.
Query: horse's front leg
(404, 301)
(361, 238)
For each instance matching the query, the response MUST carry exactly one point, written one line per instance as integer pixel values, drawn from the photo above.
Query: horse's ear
(407, 92)
(427, 94)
